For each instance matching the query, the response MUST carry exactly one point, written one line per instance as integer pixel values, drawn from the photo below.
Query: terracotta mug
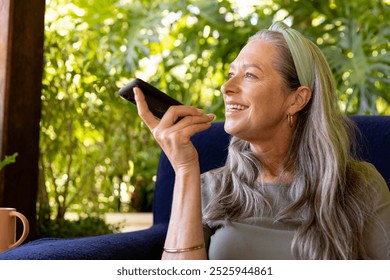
(8, 228)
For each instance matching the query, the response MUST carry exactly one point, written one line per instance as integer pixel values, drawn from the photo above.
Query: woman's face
(256, 99)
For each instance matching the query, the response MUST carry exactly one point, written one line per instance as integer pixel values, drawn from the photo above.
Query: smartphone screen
(158, 102)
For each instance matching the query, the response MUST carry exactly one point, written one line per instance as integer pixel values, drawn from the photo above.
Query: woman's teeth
(237, 107)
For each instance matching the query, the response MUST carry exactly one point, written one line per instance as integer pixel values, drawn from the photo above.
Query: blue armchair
(374, 144)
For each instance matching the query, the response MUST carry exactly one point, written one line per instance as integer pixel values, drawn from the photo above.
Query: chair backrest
(212, 144)
(374, 142)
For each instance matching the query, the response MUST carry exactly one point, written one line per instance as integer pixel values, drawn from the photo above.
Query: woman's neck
(272, 158)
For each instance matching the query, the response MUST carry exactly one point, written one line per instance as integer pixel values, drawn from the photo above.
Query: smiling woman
(290, 188)
(256, 85)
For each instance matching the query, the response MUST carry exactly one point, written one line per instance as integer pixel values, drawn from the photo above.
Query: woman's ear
(299, 99)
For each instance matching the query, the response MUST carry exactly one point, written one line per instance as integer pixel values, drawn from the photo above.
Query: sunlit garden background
(95, 154)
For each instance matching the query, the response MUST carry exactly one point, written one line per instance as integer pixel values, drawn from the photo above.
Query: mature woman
(291, 187)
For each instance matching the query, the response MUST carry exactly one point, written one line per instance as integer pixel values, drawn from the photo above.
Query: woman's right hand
(174, 137)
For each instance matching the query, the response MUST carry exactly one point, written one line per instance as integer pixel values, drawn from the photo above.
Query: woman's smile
(231, 108)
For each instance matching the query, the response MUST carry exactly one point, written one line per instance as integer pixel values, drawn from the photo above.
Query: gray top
(262, 238)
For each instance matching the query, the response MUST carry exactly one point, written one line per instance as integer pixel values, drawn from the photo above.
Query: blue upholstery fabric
(212, 145)
(138, 245)
(374, 142)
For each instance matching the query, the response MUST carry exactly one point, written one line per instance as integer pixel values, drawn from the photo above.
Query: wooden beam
(21, 66)
(5, 11)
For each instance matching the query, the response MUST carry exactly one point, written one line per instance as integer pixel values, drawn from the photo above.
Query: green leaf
(8, 160)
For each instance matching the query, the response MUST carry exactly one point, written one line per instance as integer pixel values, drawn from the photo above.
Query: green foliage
(97, 156)
(83, 227)
(355, 38)
(8, 160)
(89, 136)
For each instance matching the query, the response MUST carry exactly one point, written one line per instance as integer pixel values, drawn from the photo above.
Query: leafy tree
(355, 37)
(96, 155)
(90, 139)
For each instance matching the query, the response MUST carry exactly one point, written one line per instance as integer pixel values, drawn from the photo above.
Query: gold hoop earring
(290, 120)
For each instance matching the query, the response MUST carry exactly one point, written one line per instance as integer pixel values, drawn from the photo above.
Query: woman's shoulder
(369, 176)
(367, 171)
(377, 239)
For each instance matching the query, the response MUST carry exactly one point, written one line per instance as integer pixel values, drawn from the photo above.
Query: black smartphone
(158, 102)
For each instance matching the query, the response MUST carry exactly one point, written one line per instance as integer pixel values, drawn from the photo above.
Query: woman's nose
(229, 87)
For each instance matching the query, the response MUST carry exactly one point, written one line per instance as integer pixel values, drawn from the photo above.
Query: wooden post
(21, 66)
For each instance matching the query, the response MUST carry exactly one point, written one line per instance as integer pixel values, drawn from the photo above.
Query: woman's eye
(249, 75)
(230, 75)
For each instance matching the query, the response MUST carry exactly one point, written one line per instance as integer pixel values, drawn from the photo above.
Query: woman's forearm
(185, 227)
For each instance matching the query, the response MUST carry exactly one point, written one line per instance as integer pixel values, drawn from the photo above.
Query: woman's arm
(185, 227)
(185, 232)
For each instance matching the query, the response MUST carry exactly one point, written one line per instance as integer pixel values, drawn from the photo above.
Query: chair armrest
(138, 245)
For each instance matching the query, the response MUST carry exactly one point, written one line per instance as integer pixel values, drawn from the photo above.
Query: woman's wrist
(188, 169)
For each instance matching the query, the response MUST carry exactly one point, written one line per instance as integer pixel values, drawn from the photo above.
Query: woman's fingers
(183, 116)
(191, 125)
(182, 131)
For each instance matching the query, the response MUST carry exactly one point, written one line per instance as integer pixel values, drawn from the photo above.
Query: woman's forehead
(256, 53)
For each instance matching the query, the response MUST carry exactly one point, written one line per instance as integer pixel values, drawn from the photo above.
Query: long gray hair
(328, 194)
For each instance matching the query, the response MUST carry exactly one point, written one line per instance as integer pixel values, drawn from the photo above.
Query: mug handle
(26, 228)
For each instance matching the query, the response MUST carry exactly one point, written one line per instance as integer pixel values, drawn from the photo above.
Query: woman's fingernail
(200, 110)
(211, 116)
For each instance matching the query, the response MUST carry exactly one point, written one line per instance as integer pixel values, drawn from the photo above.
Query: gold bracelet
(172, 250)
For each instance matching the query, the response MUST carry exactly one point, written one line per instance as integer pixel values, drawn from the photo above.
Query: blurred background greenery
(95, 154)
